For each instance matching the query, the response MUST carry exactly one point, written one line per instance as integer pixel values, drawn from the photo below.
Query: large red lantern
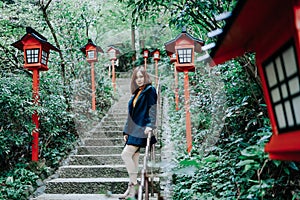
(277, 50)
(36, 53)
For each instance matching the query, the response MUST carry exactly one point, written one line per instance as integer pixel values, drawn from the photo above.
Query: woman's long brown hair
(147, 80)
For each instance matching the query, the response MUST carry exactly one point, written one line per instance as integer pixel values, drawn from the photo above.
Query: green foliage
(15, 123)
(68, 75)
(18, 183)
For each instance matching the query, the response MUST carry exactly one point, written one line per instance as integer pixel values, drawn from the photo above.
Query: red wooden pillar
(176, 89)
(187, 112)
(113, 75)
(156, 72)
(145, 63)
(35, 116)
(93, 86)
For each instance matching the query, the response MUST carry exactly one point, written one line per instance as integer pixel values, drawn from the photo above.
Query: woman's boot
(126, 193)
(133, 191)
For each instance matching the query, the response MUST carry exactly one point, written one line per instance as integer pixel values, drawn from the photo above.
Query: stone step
(89, 185)
(119, 123)
(104, 150)
(103, 141)
(102, 159)
(106, 134)
(93, 171)
(84, 197)
(111, 116)
(119, 108)
(117, 115)
(96, 171)
(111, 128)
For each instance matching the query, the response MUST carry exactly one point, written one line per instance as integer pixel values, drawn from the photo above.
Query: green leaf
(293, 166)
(245, 162)
(211, 158)
(276, 162)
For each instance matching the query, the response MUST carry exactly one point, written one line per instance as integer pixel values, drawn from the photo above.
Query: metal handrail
(150, 150)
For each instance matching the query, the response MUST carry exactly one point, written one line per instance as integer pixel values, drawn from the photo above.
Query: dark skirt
(140, 142)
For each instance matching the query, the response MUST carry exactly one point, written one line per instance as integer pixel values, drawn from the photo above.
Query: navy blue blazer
(141, 116)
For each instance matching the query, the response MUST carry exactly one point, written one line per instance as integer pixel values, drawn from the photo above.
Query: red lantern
(184, 46)
(113, 53)
(91, 51)
(36, 50)
(173, 57)
(36, 53)
(145, 53)
(156, 55)
(277, 57)
(156, 58)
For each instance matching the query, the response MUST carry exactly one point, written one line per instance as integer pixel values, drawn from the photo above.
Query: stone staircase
(96, 170)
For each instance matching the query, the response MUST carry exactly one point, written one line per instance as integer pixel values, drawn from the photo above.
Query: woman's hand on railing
(125, 137)
(148, 130)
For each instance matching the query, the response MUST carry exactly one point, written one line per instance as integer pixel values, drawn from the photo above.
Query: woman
(140, 122)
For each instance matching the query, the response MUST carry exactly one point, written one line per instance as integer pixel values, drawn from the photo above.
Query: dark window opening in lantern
(282, 75)
(91, 54)
(32, 55)
(44, 58)
(184, 55)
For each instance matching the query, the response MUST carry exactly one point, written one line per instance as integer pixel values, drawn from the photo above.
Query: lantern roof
(30, 32)
(152, 52)
(112, 47)
(144, 49)
(90, 42)
(243, 30)
(170, 46)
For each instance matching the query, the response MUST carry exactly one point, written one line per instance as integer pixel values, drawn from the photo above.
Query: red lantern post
(113, 52)
(91, 51)
(156, 57)
(36, 53)
(184, 46)
(145, 53)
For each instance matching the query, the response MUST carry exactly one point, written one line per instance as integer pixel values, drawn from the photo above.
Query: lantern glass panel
(184, 55)
(289, 114)
(146, 54)
(296, 103)
(32, 55)
(91, 54)
(112, 54)
(283, 82)
(156, 55)
(44, 57)
(280, 116)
